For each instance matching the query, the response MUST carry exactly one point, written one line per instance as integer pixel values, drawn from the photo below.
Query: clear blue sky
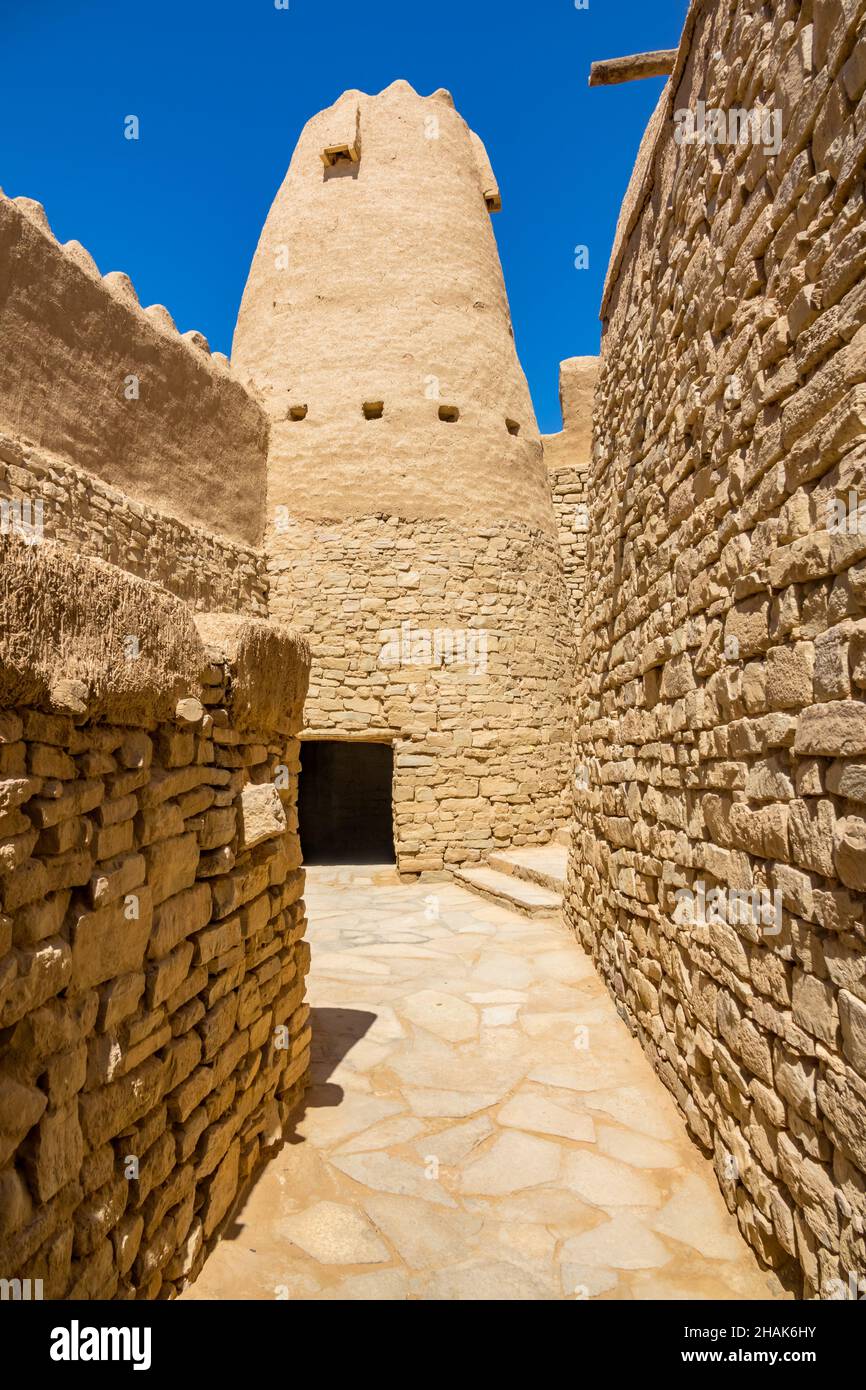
(223, 87)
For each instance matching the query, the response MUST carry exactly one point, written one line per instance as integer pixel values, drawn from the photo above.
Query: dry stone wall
(567, 455)
(44, 497)
(154, 1038)
(719, 867)
(568, 486)
(433, 653)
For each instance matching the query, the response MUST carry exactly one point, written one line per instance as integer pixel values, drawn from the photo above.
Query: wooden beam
(611, 70)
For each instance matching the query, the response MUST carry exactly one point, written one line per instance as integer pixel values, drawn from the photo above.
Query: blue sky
(222, 89)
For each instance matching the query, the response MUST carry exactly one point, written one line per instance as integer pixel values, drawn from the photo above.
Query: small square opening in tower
(340, 154)
(513, 426)
(373, 410)
(297, 412)
(345, 802)
(450, 413)
(493, 201)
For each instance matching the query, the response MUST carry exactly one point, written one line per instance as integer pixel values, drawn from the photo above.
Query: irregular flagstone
(442, 1014)
(332, 1123)
(397, 1131)
(498, 996)
(422, 1235)
(563, 965)
(695, 1215)
(581, 1282)
(607, 1183)
(639, 1150)
(621, 1243)
(560, 1211)
(499, 1015)
(529, 1111)
(450, 1105)
(348, 963)
(505, 971)
(549, 1025)
(385, 1173)
(629, 1105)
(365, 1054)
(437, 1161)
(514, 1161)
(463, 1071)
(498, 1280)
(342, 1075)
(586, 1073)
(333, 1234)
(379, 1286)
(534, 1245)
(453, 1144)
(397, 951)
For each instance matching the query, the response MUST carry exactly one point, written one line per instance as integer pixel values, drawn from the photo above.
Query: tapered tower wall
(411, 532)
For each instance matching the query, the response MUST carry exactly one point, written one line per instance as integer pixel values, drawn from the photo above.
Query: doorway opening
(345, 802)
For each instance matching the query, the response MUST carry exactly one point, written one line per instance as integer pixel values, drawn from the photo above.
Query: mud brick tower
(410, 527)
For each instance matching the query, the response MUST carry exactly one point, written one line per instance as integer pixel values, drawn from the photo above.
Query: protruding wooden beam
(611, 70)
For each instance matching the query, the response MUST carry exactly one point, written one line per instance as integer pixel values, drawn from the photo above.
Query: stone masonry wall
(722, 726)
(570, 504)
(153, 1031)
(48, 497)
(480, 742)
(567, 456)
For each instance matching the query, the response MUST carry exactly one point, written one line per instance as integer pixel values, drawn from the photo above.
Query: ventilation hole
(332, 155)
(494, 202)
(512, 426)
(297, 412)
(449, 413)
(373, 410)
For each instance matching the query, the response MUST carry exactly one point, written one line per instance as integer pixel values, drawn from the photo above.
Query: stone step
(542, 864)
(507, 890)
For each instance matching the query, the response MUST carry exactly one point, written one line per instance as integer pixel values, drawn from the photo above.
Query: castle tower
(411, 533)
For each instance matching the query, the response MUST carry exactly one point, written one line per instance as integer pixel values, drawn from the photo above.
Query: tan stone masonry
(718, 871)
(567, 455)
(648, 629)
(438, 659)
(152, 1016)
(410, 528)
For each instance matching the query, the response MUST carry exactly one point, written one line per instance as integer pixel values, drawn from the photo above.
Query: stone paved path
(481, 1125)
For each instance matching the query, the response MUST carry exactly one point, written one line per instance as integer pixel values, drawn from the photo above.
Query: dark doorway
(344, 803)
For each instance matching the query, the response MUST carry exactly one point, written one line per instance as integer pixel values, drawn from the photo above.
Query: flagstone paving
(480, 1124)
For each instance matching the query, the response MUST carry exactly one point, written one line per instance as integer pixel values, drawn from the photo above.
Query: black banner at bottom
(175, 1339)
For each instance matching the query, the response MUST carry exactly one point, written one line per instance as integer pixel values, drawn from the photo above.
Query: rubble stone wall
(722, 728)
(568, 486)
(153, 1033)
(435, 655)
(45, 497)
(567, 456)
